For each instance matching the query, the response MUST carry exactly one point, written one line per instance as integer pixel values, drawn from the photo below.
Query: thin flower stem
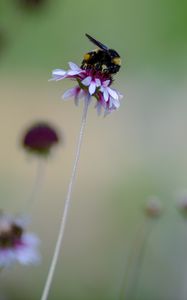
(183, 289)
(66, 207)
(144, 237)
(136, 257)
(37, 185)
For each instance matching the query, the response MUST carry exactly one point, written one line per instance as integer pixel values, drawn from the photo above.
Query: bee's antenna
(97, 43)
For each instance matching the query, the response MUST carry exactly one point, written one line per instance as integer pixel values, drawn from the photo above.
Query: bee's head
(113, 53)
(115, 58)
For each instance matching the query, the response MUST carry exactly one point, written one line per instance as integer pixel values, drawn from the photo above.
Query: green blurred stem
(66, 207)
(135, 261)
(37, 185)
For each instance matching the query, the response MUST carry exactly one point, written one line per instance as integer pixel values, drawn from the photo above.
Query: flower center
(9, 237)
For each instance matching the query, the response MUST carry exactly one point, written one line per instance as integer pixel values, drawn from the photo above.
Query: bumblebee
(102, 59)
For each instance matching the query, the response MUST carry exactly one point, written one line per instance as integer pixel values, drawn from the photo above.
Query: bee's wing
(97, 43)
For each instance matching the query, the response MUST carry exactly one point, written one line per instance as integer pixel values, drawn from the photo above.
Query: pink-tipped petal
(70, 93)
(87, 81)
(81, 94)
(105, 83)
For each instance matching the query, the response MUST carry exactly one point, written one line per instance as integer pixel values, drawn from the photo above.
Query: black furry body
(103, 59)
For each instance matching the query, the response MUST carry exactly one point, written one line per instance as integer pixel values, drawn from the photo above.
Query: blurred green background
(134, 153)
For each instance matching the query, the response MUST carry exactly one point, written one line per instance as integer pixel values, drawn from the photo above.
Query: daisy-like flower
(90, 83)
(17, 245)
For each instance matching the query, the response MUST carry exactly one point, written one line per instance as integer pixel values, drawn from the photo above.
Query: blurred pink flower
(16, 245)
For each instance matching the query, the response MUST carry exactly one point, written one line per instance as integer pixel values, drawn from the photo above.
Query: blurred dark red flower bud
(31, 4)
(40, 138)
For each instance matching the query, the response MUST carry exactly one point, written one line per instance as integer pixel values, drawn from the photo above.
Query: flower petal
(120, 95)
(70, 93)
(86, 81)
(27, 256)
(7, 257)
(107, 112)
(98, 107)
(72, 73)
(106, 83)
(105, 94)
(87, 98)
(92, 88)
(58, 74)
(98, 82)
(113, 93)
(115, 103)
(80, 94)
(74, 67)
(30, 239)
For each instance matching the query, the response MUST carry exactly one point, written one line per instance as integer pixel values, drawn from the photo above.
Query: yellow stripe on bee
(87, 56)
(116, 61)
